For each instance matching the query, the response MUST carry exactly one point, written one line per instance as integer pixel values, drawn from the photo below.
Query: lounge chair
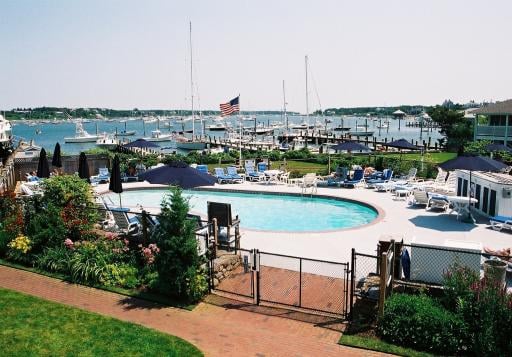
(438, 181)
(253, 175)
(221, 176)
(262, 166)
(235, 177)
(125, 225)
(284, 178)
(449, 186)
(438, 201)
(419, 198)
(202, 234)
(103, 176)
(357, 179)
(501, 222)
(336, 179)
(309, 181)
(202, 168)
(387, 174)
(228, 235)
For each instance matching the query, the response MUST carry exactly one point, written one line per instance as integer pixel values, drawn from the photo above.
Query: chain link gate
(279, 280)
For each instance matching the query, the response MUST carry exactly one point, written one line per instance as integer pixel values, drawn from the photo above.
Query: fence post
(352, 281)
(300, 282)
(383, 275)
(256, 275)
(215, 232)
(144, 227)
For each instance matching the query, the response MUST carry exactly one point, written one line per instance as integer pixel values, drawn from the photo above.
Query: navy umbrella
(350, 146)
(142, 144)
(403, 144)
(115, 184)
(57, 157)
(473, 163)
(83, 167)
(178, 174)
(498, 147)
(43, 170)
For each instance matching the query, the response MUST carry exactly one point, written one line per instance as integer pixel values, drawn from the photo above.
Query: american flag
(233, 106)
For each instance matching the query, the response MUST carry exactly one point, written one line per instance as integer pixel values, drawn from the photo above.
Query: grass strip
(375, 344)
(35, 327)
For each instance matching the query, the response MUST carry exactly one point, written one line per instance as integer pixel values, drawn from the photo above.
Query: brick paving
(281, 286)
(215, 330)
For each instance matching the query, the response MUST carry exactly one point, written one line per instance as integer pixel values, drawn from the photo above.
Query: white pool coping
(398, 220)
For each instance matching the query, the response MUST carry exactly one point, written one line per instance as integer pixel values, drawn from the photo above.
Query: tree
(457, 129)
(178, 262)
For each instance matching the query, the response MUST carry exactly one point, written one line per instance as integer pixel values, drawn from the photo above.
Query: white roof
(398, 112)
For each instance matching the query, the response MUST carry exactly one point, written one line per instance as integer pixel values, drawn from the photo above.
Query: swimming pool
(279, 213)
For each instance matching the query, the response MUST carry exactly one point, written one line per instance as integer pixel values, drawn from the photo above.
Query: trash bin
(495, 270)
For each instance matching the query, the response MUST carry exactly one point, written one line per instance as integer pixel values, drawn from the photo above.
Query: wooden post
(383, 275)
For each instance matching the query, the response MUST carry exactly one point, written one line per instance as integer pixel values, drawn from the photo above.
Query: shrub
(46, 228)
(123, 275)
(457, 282)
(88, 263)
(55, 259)
(178, 263)
(417, 321)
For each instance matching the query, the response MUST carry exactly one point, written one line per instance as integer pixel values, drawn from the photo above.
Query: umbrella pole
(120, 205)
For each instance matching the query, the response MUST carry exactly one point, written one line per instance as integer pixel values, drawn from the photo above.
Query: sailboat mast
(191, 81)
(284, 107)
(307, 99)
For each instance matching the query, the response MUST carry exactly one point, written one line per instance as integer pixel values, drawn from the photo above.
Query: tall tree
(456, 129)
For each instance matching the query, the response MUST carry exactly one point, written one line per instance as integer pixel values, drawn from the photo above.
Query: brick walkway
(215, 330)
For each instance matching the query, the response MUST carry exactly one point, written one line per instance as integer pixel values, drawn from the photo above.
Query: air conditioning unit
(507, 192)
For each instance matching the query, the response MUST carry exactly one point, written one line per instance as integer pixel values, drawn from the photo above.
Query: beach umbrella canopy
(350, 146)
(141, 143)
(180, 174)
(403, 144)
(57, 157)
(473, 163)
(43, 169)
(115, 184)
(83, 167)
(498, 147)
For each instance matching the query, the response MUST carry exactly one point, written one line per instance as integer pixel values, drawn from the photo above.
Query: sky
(135, 54)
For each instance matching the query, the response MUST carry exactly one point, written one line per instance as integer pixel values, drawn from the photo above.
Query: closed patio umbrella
(57, 157)
(473, 163)
(180, 174)
(43, 169)
(83, 167)
(115, 184)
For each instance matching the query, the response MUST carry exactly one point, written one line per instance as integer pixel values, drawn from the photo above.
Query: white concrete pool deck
(399, 219)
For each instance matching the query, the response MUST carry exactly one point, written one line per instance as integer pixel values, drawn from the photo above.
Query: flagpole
(240, 143)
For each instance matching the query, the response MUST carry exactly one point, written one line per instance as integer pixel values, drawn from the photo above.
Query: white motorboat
(157, 135)
(125, 132)
(383, 125)
(107, 142)
(217, 126)
(81, 135)
(5, 131)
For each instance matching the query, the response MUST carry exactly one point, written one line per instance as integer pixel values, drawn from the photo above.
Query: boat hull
(92, 139)
(361, 133)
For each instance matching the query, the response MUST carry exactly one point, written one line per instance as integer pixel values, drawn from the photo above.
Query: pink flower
(69, 243)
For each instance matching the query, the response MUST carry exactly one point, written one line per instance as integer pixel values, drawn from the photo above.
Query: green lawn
(375, 344)
(31, 326)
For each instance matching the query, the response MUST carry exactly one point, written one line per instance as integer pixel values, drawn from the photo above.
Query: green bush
(54, 259)
(417, 321)
(458, 281)
(123, 275)
(46, 228)
(178, 263)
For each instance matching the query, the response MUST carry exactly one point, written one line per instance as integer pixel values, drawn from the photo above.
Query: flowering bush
(69, 244)
(21, 243)
(148, 253)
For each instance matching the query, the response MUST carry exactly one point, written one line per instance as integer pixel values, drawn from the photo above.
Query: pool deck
(397, 219)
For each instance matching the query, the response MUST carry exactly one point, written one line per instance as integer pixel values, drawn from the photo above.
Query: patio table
(461, 204)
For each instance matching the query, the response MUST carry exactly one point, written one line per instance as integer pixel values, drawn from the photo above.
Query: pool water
(280, 213)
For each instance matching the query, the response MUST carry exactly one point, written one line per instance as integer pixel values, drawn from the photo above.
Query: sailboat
(125, 132)
(183, 142)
